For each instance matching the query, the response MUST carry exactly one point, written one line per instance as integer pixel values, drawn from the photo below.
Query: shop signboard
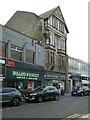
(51, 75)
(18, 74)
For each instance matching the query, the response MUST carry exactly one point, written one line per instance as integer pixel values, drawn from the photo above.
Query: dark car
(80, 91)
(10, 95)
(40, 94)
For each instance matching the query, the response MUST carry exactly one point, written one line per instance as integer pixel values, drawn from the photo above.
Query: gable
(58, 13)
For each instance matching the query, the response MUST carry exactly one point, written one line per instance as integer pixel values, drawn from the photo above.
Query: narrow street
(67, 107)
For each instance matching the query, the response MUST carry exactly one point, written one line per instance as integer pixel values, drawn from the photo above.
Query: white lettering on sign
(2, 61)
(25, 75)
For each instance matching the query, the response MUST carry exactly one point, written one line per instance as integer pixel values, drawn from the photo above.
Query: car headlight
(33, 94)
(79, 91)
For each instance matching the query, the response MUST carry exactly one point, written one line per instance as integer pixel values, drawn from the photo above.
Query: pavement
(86, 116)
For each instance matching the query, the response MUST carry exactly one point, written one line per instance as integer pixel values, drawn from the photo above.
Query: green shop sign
(12, 74)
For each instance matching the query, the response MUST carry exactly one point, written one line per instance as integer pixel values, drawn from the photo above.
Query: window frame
(18, 50)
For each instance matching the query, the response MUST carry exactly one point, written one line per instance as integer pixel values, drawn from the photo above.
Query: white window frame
(52, 38)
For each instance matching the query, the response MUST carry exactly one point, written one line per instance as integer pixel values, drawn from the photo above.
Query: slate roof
(48, 13)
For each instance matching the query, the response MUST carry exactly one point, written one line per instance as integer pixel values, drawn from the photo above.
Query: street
(67, 107)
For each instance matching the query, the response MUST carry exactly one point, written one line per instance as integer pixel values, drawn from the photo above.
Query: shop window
(30, 56)
(37, 83)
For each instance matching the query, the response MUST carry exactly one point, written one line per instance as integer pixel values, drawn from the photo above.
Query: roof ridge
(47, 13)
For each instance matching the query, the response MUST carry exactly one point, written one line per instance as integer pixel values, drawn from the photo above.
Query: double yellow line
(71, 117)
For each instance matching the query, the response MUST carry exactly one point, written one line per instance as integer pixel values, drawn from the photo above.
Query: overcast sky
(75, 13)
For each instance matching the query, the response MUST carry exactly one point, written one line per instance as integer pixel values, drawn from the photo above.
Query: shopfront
(23, 75)
(75, 80)
(54, 78)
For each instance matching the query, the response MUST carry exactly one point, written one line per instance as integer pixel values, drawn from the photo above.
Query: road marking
(71, 117)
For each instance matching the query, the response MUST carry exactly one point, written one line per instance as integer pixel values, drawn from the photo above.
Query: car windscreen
(38, 89)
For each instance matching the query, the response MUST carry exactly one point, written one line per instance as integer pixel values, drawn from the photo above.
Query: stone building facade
(51, 31)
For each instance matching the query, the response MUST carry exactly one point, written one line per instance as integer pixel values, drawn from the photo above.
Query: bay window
(52, 36)
(61, 43)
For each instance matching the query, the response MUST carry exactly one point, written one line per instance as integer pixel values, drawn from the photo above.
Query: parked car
(80, 91)
(40, 94)
(10, 95)
(60, 87)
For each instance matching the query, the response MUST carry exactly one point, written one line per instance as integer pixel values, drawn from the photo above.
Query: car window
(12, 90)
(51, 88)
(46, 89)
(7, 90)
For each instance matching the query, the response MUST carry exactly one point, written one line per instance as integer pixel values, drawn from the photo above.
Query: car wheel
(16, 101)
(56, 97)
(40, 99)
(89, 93)
(82, 94)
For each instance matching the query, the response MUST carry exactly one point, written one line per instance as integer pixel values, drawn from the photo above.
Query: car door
(86, 90)
(49, 93)
(6, 95)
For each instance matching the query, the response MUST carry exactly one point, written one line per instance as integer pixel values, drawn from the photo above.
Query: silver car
(11, 95)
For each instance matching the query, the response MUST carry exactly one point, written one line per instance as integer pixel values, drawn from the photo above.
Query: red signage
(10, 63)
(29, 85)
